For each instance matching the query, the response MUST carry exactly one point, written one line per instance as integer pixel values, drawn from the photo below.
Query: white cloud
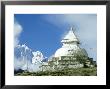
(17, 31)
(26, 65)
(19, 62)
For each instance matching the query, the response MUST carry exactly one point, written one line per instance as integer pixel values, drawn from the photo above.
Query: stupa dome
(66, 52)
(62, 52)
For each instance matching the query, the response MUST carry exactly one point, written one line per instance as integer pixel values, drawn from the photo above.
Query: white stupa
(70, 45)
(65, 57)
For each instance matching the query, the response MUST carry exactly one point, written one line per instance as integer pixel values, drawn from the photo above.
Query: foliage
(64, 72)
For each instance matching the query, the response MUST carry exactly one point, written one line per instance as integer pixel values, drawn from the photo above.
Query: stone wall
(64, 62)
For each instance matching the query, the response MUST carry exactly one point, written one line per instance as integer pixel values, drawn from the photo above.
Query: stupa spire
(71, 28)
(70, 37)
(69, 44)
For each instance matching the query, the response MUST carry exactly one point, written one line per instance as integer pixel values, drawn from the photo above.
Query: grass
(64, 72)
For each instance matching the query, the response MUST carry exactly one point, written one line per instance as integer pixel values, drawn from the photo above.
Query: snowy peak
(38, 57)
(22, 51)
(25, 58)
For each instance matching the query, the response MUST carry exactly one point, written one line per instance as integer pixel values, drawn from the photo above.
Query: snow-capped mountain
(26, 59)
(23, 52)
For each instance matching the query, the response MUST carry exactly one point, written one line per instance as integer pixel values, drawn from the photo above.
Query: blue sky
(43, 32)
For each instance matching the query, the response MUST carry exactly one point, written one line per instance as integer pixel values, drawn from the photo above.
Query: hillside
(64, 72)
